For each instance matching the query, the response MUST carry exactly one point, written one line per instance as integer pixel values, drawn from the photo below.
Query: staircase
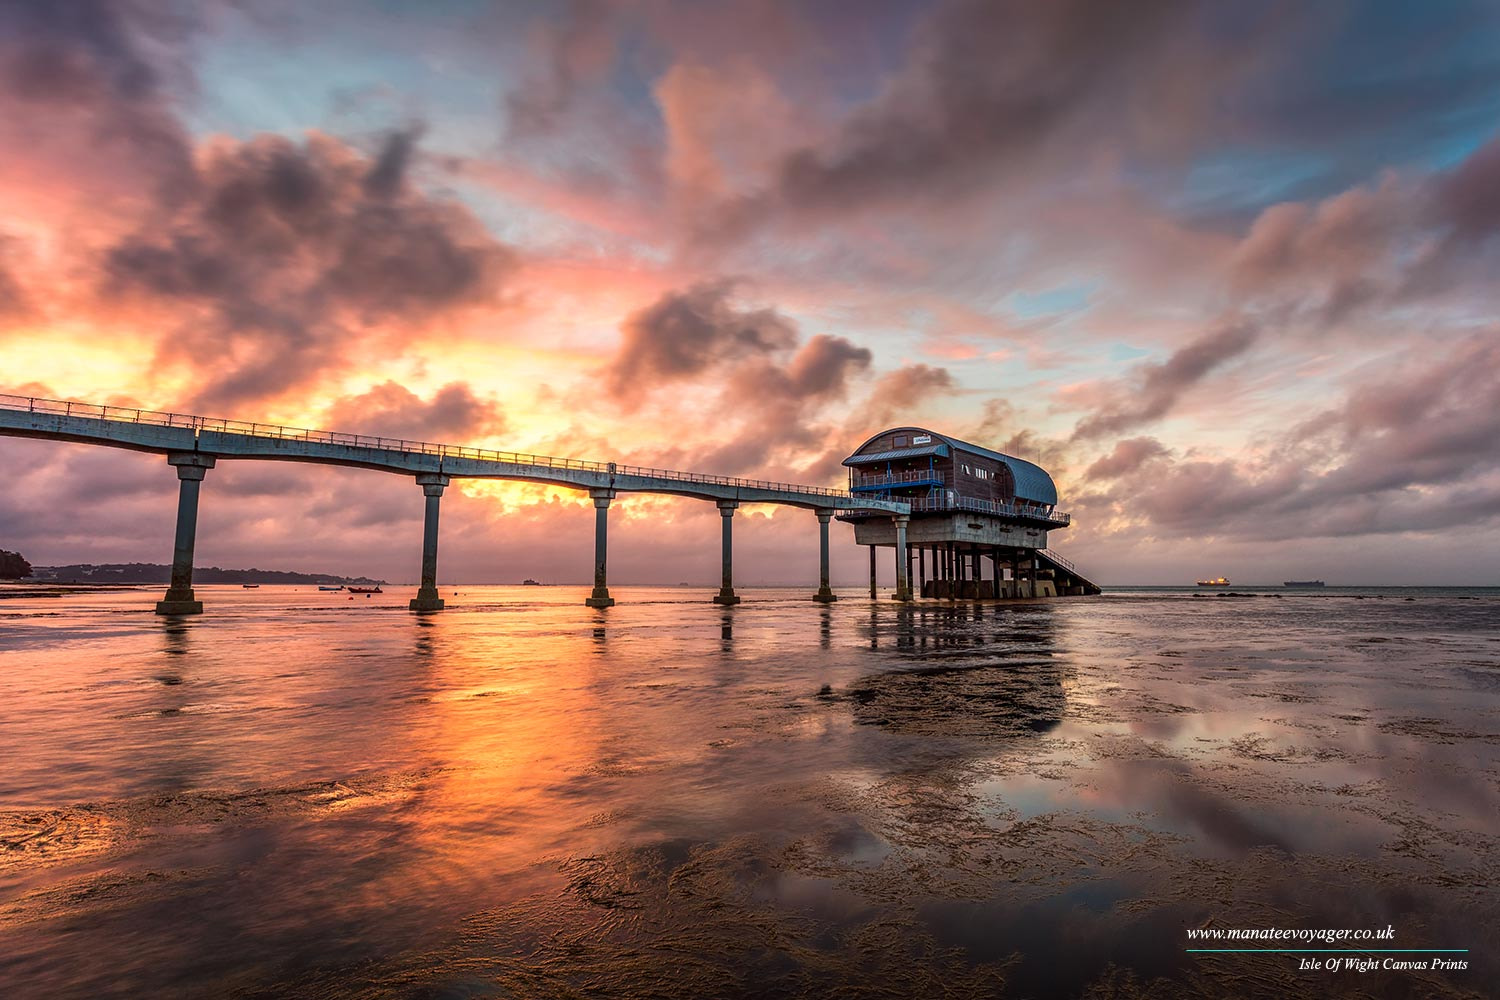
(1069, 580)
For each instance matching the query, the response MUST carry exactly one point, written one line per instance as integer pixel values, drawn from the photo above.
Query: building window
(899, 442)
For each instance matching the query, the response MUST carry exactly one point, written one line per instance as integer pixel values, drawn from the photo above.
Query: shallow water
(303, 794)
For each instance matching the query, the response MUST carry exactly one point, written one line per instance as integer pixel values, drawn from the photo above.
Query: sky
(1227, 271)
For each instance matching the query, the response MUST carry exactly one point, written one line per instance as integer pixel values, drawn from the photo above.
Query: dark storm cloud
(1399, 241)
(1044, 94)
(282, 253)
(387, 175)
(1128, 455)
(915, 382)
(820, 369)
(771, 386)
(1338, 238)
(576, 49)
(1468, 198)
(1153, 389)
(1434, 425)
(775, 402)
(899, 395)
(452, 415)
(991, 92)
(998, 429)
(995, 420)
(685, 333)
(105, 68)
(1411, 452)
(990, 82)
(1463, 222)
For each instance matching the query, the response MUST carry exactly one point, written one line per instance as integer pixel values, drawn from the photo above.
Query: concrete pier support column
(726, 593)
(872, 572)
(191, 468)
(922, 570)
(825, 594)
(600, 597)
(903, 581)
(427, 598)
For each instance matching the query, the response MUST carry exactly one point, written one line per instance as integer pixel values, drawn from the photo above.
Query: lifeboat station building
(969, 506)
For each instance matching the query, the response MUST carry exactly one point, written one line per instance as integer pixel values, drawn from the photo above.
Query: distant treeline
(13, 566)
(158, 573)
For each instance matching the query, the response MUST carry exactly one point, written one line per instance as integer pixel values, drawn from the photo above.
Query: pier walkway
(194, 444)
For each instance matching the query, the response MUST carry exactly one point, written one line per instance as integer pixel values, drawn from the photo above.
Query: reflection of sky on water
(324, 783)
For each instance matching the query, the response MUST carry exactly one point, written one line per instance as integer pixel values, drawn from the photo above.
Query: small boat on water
(1218, 581)
(365, 590)
(529, 582)
(339, 587)
(1303, 583)
(250, 586)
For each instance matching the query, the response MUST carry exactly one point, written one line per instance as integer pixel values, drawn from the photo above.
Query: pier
(194, 445)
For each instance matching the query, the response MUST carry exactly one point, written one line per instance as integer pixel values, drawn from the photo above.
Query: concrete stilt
(726, 593)
(903, 581)
(921, 571)
(427, 598)
(872, 572)
(600, 597)
(825, 594)
(179, 600)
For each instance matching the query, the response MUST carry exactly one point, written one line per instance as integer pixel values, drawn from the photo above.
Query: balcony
(1022, 512)
(873, 482)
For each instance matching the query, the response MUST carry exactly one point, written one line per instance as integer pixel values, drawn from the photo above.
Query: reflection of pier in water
(987, 671)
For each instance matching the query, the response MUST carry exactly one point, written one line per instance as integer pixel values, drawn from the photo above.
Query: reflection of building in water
(987, 675)
(967, 504)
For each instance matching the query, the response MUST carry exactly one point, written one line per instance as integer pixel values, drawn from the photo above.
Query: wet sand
(523, 798)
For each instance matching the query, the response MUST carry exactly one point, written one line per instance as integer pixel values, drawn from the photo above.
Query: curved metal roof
(1032, 481)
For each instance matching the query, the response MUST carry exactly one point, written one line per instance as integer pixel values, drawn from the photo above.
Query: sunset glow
(1229, 273)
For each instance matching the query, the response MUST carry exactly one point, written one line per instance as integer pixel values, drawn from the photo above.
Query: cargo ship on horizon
(1303, 583)
(1218, 581)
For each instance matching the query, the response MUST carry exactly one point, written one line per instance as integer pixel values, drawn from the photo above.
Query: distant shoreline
(157, 573)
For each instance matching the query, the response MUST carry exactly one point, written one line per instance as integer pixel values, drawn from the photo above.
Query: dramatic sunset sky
(1229, 271)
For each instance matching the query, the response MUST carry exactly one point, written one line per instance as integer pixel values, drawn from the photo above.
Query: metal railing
(988, 507)
(1066, 564)
(135, 415)
(896, 478)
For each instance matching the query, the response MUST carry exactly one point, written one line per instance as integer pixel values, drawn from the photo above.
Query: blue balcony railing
(893, 480)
